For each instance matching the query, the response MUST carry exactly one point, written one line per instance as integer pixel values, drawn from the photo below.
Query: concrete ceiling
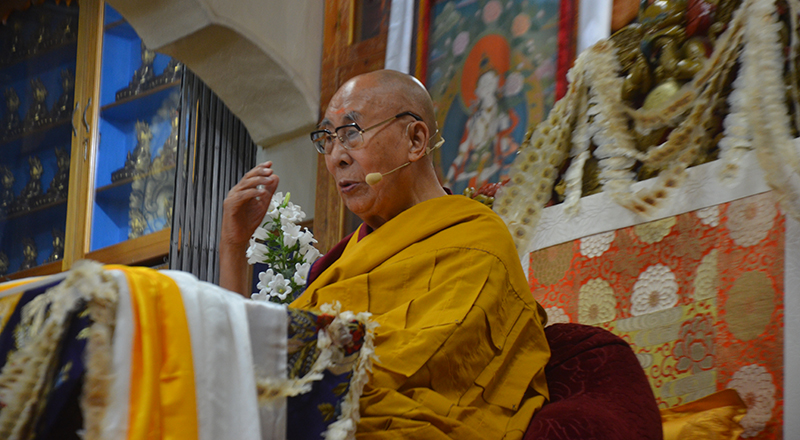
(261, 57)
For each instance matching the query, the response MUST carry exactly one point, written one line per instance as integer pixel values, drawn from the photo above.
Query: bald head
(402, 92)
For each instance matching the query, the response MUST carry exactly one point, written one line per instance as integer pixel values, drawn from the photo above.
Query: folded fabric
(714, 417)
(133, 353)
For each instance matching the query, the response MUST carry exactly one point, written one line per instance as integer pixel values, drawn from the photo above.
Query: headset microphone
(373, 178)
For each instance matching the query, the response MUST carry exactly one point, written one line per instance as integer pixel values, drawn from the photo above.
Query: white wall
(295, 162)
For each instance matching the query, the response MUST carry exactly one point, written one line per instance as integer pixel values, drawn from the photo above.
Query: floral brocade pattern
(595, 245)
(699, 297)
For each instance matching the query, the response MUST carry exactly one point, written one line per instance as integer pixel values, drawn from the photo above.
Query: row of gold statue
(32, 195)
(50, 31)
(30, 253)
(38, 114)
(144, 78)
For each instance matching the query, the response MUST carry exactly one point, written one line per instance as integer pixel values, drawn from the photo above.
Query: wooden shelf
(66, 46)
(114, 24)
(34, 210)
(130, 180)
(138, 251)
(40, 270)
(36, 131)
(138, 96)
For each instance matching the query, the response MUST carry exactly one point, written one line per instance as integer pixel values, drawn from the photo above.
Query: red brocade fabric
(598, 390)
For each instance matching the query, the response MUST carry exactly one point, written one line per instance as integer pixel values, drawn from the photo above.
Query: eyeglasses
(350, 135)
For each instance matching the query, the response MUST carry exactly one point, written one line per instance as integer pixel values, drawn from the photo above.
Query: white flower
(656, 289)
(264, 278)
(291, 232)
(256, 252)
(271, 216)
(595, 245)
(292, 213)
(756, 388)
(280, 287)
(306, 238)
(261, 233)
(276, 201)
(311, 254)
(301, 273)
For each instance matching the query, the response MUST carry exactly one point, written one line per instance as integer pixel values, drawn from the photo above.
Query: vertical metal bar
(219, 194)
(240, 161)
(202, 233)
(209, 223)
(197, 196)
(191, 166)
(180, 172)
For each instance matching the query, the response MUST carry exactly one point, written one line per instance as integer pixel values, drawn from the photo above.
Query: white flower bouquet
(288, 251)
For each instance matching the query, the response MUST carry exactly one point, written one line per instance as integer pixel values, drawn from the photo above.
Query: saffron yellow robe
(461, 346)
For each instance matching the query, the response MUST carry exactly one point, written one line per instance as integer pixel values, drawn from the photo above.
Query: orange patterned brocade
(699, 297)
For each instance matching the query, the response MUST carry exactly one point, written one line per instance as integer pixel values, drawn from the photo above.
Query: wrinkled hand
(246, 204)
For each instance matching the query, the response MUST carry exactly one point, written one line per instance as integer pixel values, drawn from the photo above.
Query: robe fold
(461, 346)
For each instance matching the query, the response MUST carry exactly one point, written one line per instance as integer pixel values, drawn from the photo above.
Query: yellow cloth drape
(715, 417)
(9, 303)
(162, 390)
(461, 346)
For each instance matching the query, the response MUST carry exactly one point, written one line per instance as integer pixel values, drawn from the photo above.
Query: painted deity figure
(487, 143)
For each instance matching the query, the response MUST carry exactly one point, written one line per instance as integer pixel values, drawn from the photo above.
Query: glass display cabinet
(88, 141)
(134, 178)
(37, 73)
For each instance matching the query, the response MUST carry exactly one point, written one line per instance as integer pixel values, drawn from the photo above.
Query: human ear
(417, 133)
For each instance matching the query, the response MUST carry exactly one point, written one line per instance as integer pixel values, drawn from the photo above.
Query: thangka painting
(492, 73)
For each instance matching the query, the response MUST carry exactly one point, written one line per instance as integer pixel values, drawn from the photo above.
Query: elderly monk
(461, 346)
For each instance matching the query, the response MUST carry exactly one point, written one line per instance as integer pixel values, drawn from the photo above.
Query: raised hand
(242, 212)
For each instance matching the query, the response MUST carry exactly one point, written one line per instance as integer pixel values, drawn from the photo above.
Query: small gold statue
(14, 46)
(59, 186)
(29, 254)
(11, 121)
(658, 48)
(7, 195)
(63, 107)
(58, 246)
(37, 114)
(42, 39)
(171, 73)
(138, 161)
(3, 264)
(33, 189)
(66, 31)
(142, 78)
(137, 222)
